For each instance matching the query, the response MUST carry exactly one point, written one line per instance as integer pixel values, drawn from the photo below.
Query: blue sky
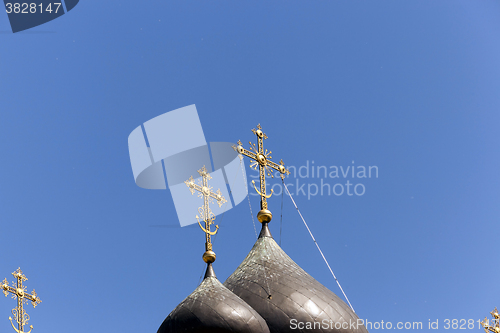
(411, 87)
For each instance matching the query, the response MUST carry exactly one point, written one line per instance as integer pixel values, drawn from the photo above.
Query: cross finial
(206, 213)
(18, 290)
(262, 159)
(495, 328)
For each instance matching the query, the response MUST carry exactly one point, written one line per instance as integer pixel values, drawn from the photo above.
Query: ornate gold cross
(206, 213)
(19, 292)
(262, 158)
(495, 328)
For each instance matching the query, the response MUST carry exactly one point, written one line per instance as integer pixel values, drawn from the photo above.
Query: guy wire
(317, 245)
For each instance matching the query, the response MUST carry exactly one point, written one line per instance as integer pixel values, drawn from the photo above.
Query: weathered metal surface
(212, 308)
(284, 294)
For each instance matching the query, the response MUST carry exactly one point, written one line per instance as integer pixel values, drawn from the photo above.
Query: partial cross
(19, 292)
(495, 328)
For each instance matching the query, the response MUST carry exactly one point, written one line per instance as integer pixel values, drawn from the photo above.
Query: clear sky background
(411, 87)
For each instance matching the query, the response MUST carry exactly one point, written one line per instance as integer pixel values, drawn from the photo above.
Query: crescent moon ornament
(262, 195)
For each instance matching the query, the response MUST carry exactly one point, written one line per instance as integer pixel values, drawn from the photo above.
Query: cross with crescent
(206, 213)
(19, 292)
(262, 158)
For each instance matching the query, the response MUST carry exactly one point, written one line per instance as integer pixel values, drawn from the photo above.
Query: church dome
(212, 308)
(285, 295)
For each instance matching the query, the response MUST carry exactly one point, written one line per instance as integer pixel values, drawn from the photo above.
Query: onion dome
(213, 308)
(287, 297)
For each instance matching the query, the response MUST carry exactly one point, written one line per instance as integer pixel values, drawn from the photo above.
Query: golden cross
(206, 213)
(262, 158)
(19, 292)
(495, 328)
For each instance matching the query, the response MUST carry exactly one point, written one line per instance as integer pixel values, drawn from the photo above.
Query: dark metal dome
(285, 295)
(212, 308)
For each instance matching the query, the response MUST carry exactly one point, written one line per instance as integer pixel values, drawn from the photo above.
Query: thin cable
(220, 222)
(203, 271)
(248, 196)
(251, 214)
(265, 279)
(227, 201)
(317, 245)
(281, 220)
(268, 291)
